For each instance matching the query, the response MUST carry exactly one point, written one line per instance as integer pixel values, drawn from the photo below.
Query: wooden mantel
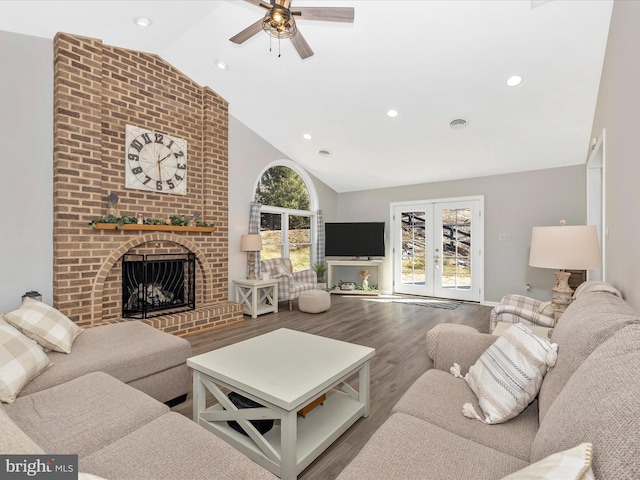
(162, 228)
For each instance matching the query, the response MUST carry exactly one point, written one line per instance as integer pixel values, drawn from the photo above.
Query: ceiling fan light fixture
(279, 23)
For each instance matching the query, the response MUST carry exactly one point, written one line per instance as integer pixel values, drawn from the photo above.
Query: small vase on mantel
(112, 202)
(113, 211)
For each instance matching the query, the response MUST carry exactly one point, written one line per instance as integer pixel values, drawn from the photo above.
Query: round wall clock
(155, 161)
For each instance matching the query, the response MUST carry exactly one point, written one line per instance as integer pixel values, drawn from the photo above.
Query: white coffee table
(284, 370)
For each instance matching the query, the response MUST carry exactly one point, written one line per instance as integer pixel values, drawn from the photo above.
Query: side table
(257, 296)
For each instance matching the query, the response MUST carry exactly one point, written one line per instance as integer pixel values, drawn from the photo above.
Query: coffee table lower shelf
(321, 427)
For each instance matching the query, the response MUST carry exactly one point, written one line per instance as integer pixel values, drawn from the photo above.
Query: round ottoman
(314, 301)
(432, 335)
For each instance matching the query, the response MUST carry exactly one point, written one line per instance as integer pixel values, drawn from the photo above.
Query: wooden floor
(396, 330)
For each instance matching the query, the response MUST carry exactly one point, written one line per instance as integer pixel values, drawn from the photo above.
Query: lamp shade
(566, 247)
(250, 243)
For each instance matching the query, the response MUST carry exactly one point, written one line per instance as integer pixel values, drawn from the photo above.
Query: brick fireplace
(98, 89)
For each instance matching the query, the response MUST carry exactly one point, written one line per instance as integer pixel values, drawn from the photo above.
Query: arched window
(287, 215)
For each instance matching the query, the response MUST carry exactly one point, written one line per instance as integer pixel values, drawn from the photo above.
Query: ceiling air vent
(458, 123)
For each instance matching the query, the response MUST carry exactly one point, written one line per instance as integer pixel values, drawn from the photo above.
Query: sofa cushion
(434, 333)
(84, 414)
(407, 448)
(127, 351)
(13, 440)
(574, 463)
(44, 324)
(461, 347)
(600, 405)
(21, 359)
(437, 397)
(507, 376)
(172, 447)
(588, 322)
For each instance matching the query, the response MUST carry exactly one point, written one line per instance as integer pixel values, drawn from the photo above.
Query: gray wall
(617, 111)
(249, 155)
(513, 204)
(26, 196)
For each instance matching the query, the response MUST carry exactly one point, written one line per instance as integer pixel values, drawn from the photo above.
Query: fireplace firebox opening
(157, 284)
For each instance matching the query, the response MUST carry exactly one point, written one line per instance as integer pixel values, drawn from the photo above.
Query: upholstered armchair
(520, 309)
(290, 283)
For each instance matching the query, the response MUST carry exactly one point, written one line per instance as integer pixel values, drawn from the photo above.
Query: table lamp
(251, 244)
(574, 247)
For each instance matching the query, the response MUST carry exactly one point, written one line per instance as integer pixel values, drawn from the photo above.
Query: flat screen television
(354, 239)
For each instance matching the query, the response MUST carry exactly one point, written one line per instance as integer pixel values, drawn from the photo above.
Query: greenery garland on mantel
(181, 221)
(174, 220)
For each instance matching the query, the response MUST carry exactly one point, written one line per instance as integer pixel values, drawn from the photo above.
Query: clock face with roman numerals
(155, 161)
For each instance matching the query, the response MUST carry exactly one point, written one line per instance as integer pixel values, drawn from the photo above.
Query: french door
(437, 248)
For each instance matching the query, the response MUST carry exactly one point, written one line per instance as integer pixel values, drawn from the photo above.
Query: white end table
(257, 296)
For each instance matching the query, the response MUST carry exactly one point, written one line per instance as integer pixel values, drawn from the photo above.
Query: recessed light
(514, 80)
(458, 123)
(306, 136)
(324, 152)
(392, 113)
(222, 65)
(142, 21)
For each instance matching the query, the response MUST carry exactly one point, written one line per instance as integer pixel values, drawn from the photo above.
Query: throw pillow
(45, 325)
(21, 359)
(281, 269)
(572, 464)
(507, 376)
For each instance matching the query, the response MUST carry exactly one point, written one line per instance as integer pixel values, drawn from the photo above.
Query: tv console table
(349, 271)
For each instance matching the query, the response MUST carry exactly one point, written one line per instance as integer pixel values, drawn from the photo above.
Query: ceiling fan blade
(327, 14)
(247, 33)
(301, 45)
(259, 3)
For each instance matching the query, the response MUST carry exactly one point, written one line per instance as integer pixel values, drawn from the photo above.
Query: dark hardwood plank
(397, 332)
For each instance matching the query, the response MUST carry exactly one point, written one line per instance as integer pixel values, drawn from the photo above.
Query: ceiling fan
(279, 22)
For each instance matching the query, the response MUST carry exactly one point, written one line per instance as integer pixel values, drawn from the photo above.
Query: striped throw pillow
(508, 375)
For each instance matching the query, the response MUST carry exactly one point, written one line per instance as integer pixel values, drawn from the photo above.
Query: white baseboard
(490, 304)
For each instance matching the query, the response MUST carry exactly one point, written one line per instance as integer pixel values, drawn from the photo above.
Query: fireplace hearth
(157, 284)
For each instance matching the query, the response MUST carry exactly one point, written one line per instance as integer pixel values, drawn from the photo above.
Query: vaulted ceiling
(432, 61)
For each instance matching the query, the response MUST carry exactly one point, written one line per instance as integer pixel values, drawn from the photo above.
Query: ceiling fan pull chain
(278, 47)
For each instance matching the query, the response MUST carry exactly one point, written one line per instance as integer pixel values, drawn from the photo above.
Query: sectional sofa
(107, 401)
(591, 396)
